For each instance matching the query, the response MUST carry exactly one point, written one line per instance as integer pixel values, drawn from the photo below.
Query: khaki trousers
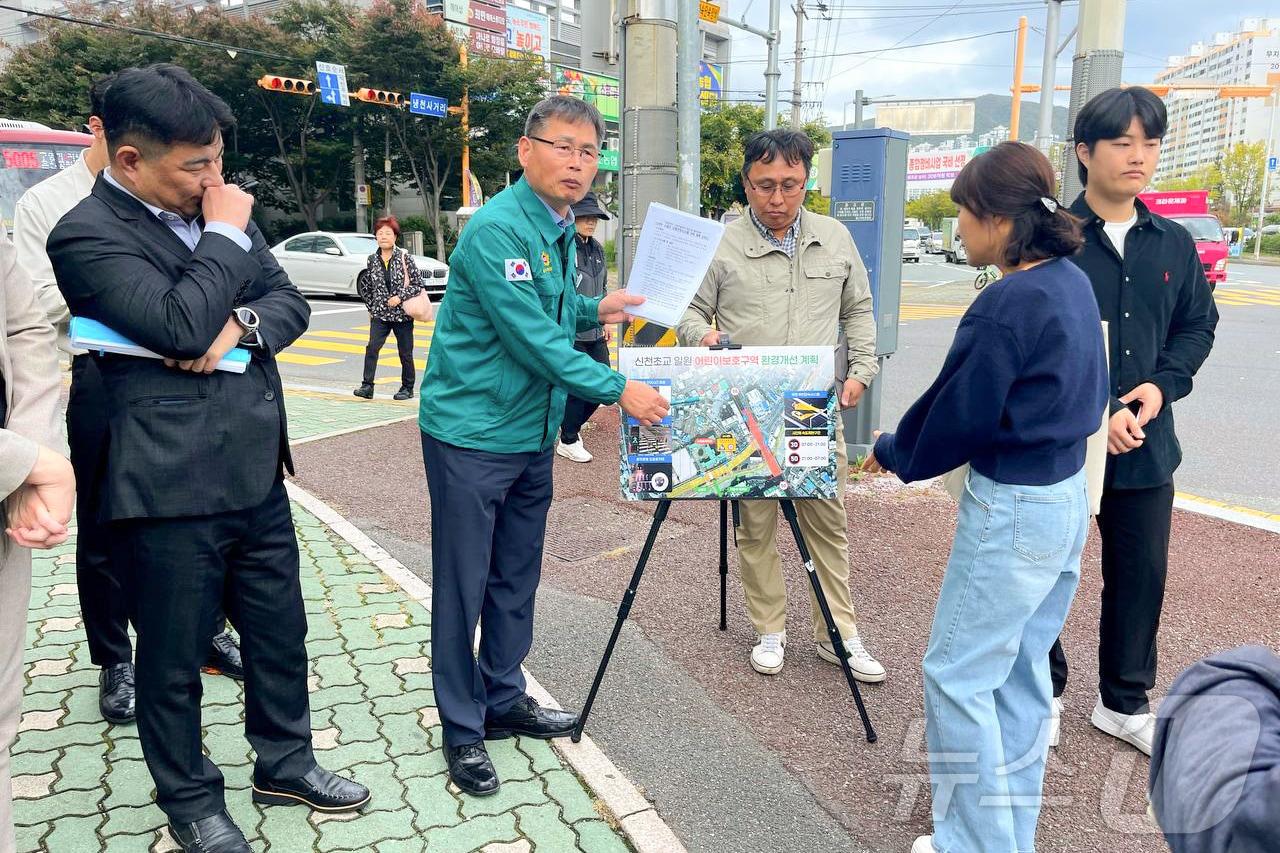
(15, 595)
(824, 525)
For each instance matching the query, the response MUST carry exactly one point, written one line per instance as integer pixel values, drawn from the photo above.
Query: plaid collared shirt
(788, 243)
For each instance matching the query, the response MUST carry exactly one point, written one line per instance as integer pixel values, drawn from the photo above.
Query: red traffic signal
(287, 85)
(381, 97)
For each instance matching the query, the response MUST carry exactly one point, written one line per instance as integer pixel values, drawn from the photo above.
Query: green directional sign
(610, 160)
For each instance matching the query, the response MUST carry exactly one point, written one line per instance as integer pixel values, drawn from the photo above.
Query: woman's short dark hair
(387, 222)
(161, 104)
(765, 146)
(1109, 114)
(1015, 181)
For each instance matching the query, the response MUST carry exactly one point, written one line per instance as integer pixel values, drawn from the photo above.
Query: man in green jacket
(502, 363)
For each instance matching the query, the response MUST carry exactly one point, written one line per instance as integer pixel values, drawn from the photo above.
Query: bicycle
(987, 276)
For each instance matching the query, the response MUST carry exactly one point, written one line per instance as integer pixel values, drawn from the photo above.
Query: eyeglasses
(564, 150)
(789, 188)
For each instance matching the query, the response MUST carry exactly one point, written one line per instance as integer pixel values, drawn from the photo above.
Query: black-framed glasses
(789, 189)
(564, 150)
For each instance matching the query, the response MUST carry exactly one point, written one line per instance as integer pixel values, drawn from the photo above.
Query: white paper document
(672, 257)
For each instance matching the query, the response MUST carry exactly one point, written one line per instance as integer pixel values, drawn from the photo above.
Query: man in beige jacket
(36, 486)
(785, 276)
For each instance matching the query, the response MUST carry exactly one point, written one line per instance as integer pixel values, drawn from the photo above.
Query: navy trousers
(488, 519)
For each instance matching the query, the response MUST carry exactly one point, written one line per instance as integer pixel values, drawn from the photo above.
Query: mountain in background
(992, 111)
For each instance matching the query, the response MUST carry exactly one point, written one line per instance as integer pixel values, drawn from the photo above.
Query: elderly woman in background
(391, 280)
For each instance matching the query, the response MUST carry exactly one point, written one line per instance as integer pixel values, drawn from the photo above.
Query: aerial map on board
(755, 422)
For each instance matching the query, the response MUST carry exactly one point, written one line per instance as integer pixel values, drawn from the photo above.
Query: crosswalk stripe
(305, 342)
(309, 360)
(420, 340)
(930, 312)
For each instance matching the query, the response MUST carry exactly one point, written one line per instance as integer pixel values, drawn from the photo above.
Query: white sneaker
(766, 657)
(864, 666)
(1055, 721)
(1138, 730)
(573, 452)
(923, 844)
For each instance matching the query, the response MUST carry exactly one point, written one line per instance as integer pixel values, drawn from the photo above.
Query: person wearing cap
(591, 282)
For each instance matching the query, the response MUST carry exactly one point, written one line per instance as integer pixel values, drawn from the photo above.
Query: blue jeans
(1013, 571)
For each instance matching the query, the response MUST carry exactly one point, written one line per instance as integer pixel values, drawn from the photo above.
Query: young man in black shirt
(1152, 291)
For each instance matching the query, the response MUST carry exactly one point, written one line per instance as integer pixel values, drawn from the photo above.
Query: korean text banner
(595, 89)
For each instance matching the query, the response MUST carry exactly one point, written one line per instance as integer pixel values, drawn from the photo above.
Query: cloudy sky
(1154, 29)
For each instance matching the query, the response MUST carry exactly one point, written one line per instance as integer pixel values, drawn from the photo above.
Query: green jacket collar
(537, 212)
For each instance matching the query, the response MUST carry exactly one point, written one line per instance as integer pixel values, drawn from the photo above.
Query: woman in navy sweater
(1022, 388)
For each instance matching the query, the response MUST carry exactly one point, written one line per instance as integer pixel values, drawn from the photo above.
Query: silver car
(329, 261)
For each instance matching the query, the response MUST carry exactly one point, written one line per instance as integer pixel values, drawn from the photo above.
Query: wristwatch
(247, 319)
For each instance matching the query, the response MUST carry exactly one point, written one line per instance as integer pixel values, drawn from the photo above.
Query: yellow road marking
(1244, 510)
(309, 360)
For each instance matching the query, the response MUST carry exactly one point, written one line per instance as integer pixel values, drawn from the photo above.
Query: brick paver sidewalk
(80, 784)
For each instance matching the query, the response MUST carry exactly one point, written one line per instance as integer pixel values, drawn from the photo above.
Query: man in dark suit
(164, 252)
(102, 604)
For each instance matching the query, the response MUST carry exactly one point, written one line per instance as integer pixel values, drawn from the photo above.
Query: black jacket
(179, 444)
(1161, 320)
(593, 278)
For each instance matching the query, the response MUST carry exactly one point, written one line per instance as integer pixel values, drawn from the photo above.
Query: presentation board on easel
(752, 422)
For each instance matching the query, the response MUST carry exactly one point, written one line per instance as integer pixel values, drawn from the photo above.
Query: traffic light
(380, 97)
(288, 85)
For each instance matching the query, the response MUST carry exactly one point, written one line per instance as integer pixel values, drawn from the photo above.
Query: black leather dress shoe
(214, 834)
(471, 770)
(115, 693)
(224, 657)
(321, 790)
(526, 717)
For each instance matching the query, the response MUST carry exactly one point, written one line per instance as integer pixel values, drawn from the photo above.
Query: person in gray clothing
(593, 275)
(1215, 765)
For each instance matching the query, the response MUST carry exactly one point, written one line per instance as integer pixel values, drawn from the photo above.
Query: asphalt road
(740, 762)
(1225, 424)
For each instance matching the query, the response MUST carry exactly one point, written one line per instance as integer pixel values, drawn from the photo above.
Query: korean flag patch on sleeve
(518, 270)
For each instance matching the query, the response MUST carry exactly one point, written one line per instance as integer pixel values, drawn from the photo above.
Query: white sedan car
(329, 261)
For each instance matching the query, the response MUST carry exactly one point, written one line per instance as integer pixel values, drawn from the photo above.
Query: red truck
(1190, 209)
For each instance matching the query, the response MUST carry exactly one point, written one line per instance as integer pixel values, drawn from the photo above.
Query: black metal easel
(624, 608)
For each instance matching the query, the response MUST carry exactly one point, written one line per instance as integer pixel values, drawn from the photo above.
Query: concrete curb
(337, 432)
(640, 822)
(1226, 512)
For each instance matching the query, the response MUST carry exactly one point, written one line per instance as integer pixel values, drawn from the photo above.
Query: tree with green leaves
(932, 208)
(1241, 172)
(298, 150)
(725, 129)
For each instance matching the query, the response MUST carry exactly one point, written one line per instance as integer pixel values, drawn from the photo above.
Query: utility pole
(1019, 55)
(772, 74)
(858, 100)
(362, 209)
(466, 130)
(1266, 173)
(772, 38)
(1048, 74)
(798, 82)
(688, 108)
(649, 118)
(386, 168)
(1095, 68)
